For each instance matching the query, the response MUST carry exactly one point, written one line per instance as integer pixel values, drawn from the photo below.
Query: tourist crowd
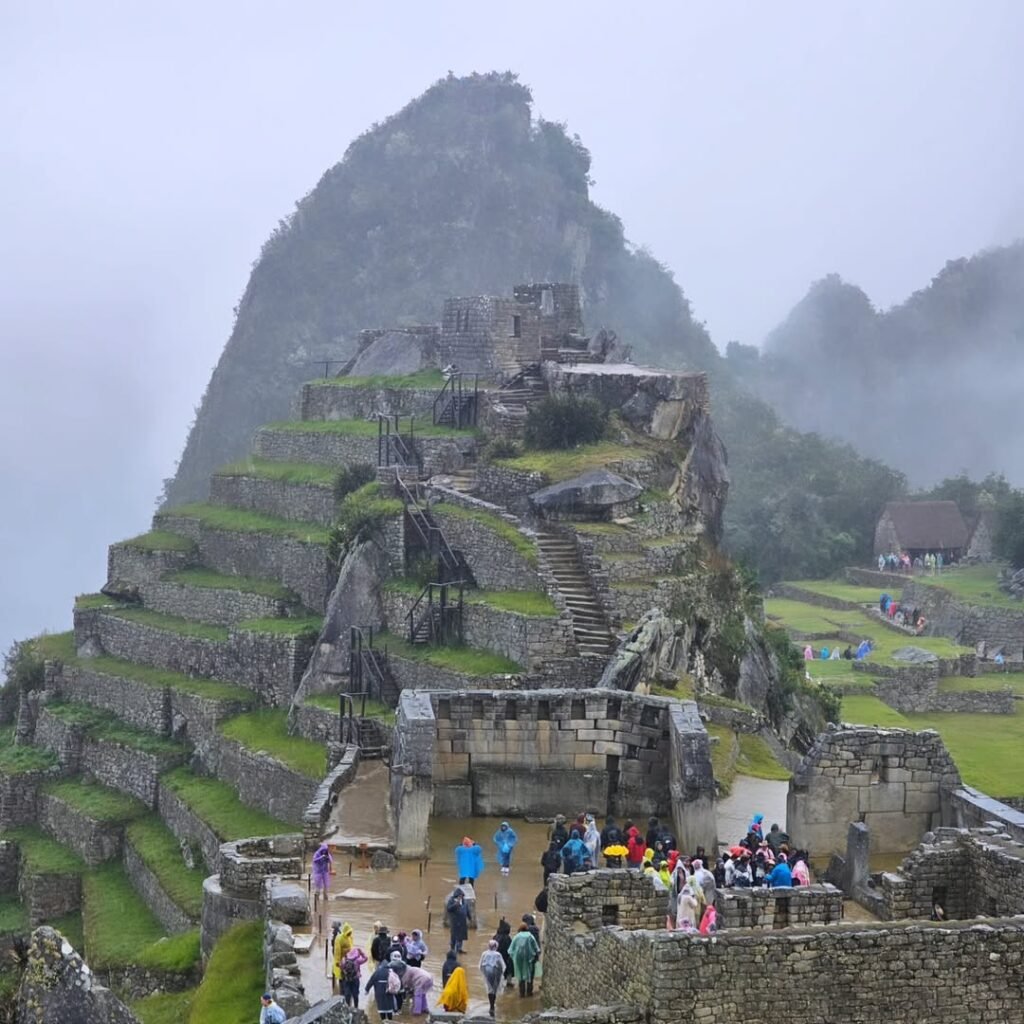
(931, 562)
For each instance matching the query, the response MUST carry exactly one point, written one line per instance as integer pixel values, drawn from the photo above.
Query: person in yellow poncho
(344, 939)
(455, 994)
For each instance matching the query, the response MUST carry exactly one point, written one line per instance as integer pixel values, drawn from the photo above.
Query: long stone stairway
(516, 397)
(589, 623)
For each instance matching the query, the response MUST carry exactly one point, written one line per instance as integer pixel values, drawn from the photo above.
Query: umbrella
(616, 851)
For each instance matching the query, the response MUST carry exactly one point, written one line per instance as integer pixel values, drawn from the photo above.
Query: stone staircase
(513, 401)
(589, 623)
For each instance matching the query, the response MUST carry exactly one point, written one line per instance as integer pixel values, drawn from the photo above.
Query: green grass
(722, 756)
(102, 725)
(13, 917)
(559, 465)
(238, 520)
(15, 760)
(207, 579)
(85, 602)
(164, 1007)
(973, 584)
(160, 540)
(839, 589)
(70, 926)
(42, 855)
(121, 929)
(267, 729)
(234, 979)
(160, 851)
(95, 801)
(506, 531)
(756, 759)
(601, 529)
(307, 473)
(284, 627)
(372, 708)
(159, 677)
(425, 379)
(830, 670)
(362, 428)
(472, 661)
(987, 683)
(172, 624)
(217, 804)
(865, 710)
(56, 646)
(522, 602)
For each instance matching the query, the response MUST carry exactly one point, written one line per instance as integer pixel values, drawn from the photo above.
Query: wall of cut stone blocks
(19, 796)
(128, 565)
(95, 841)
(478, 336)
(306, 503)
(210, 605)
(965, 623)
(185, 824)
(329, 402)
(772, 909)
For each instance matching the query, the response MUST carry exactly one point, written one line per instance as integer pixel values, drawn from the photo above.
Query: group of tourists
(931, 561)
(849, 653)
(895, 612)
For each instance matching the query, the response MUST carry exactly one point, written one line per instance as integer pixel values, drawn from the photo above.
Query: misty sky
(148, 150)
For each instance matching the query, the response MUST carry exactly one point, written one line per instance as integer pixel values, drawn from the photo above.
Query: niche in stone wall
(610, 914)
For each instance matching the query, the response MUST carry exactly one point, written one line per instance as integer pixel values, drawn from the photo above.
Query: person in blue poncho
(505, 840)
(469, 860)
(780, 876)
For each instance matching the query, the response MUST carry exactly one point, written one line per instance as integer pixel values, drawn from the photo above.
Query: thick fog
(148, 150)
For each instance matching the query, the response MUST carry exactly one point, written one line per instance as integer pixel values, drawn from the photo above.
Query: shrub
(351, 478)
(1009, 536)
(360, 513)
(500, 448)
(23, 667)
(565, 421)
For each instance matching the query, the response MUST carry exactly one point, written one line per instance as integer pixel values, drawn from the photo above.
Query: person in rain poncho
(323, 868)
(344, 940)
(419, 983)
(458, 919)
(469, 860)
(492, 967)
(385, 999)
(455, 994)
(524, 952)
(351, 969)
(687, 910)
(592, 839)
(706, 880)
(505, 840)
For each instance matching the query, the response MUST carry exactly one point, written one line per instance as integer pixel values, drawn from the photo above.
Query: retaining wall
(153, 894)
(329, 402)
(304, 503)
(94, 841)
(186, 824)
(131, 566)
(216, 606)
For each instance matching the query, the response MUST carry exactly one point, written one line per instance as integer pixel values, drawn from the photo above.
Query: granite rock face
(593, 495)
(59, 988)
(655, 647)
(394, 352)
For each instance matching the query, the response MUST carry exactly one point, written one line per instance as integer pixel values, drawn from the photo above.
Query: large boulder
(597, 494)
(330, 1011)
(656, 650)
(58, 987)
(391, 353)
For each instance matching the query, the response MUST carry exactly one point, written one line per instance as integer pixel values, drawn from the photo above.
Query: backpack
(394, 983)
(349, 969)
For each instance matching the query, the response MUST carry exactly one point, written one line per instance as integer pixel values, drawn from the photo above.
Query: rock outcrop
(598, 494)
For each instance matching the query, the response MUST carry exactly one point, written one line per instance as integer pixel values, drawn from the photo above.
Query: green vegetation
(267, 730)
(164, 1007)
(472, 661)
(294, 627)
(160, 540)
(741, 754)
(506, 531)
(16, 760)
(523, 602)
(121, 929)
(369, 709)
(308, 473)
(43, 856)
(563, 465)
(723, 756)
(756, 759)
(85, 602)
(233, 979)
(361, 428)
(160, 851)
(207, 579)
(564, 421)
(1008, 541)
(218, 805)
(237, 520)
(96, 801)
(865, 710)
(103, 725)
(601, 529)
(160, 677)
(425, 379)
(361, 512)
(839, 589)
(973, 584)
(54, 647)
(173, 624)
(70, 926)
(999, 681)
(13, 917)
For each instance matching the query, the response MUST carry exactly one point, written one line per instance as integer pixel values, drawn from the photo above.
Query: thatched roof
(928, 524)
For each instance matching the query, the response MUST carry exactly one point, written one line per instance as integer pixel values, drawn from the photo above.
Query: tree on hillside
(1008, 542)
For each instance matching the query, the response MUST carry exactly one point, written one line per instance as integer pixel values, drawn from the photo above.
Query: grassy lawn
(425, 379)
(756, 759)
(363, 428)
(523, 602)
(15, 760)
(173, 624)
(56, 646)
(164, 1007)
(160, 540)
(160, 851)
(866, 710)
(506, 531)
(473, 661)
(973, 584)
(95, 801)
(307, 473)
(207, 579)
(218, 805)
(234, 978)
(42, 855)
(102, 725)
(85, 602)
(842, 669)
(971, 684)
(808, 618)
(722, 756)
(121, 929)
(839, 589)
(369, 709)
(298, 626)
(12, 916)
(238, 520)
(558, 465)
(267, 729)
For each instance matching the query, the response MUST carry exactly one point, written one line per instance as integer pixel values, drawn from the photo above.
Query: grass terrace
(973, 584)
(207, 579)
(86, 602)
(425, 379)
(16, 760)
(564, 464)
(159, 677)
(839, 589)
(121, 929)
(172, 624)
(522, 602)
(371, 709)
(218, 805)
(160, 851)
(299, 626)
(13, 917)
(44, 856)
(364, 428)
(160, 540)
(307, 473)
(472, 661)
(165, 1007)
(237, 520)
(95, 801)
(233, 980)
(498, 526)
(1013, 681)
(102, 725)
(56, 646)
(267, 730)
(70, 926)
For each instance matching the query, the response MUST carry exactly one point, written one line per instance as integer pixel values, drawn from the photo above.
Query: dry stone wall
(209, 604)
(330, 402)
(965, 623)
(153, 894)
(129, 566)
(772, 909)
(94, 841)
(306, 503)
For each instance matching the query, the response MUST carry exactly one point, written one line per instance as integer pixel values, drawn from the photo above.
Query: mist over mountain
(933, 386)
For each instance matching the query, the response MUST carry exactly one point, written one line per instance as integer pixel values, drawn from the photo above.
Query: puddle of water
(751, 796)
(360, 817)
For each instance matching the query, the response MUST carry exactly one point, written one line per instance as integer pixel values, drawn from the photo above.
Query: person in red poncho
(636, 846)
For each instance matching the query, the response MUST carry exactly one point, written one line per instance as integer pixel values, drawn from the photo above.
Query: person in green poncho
(524, 952)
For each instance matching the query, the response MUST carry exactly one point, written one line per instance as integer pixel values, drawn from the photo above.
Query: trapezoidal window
(511, 711)
(444, 709)
(610, 914)
(543, 711)
(517, 327)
